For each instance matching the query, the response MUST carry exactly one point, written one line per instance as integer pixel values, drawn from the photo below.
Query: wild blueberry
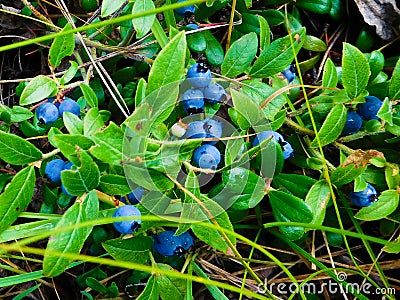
(261, 136)
(205, 160)
(287, 149)
(53, 169)
(65, 191)
(193, 26)
(353, 123)
(214, 93)
(71, 106)
(365, 197)
(193, 101)
(68, 166)
(186, 9)
(199, 76)
(195, 130)
(213, 129)
(370, 108)
(135, 196)
(168, 244)
(207, 149)
(129, 226)
(47, 113)
(289, 73)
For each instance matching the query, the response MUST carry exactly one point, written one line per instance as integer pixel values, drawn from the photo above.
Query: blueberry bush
(200, 149)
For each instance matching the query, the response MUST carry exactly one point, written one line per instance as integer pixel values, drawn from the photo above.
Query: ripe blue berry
(213, 129)
(68, 166)
(207, 149)
(370, 108)
(193, 101)
(53, 169)
(129, 226)
(287, 149)
(65, 191)
(353, 123)
(365, 197)
(207, 157)
(199, 76)
(195, 130)
(289, 73)
(135, 196)
(193, 26)
(47, 113)
(186, 9)
(168, 244)
(214, 93)
(71, 106)
(261, 136)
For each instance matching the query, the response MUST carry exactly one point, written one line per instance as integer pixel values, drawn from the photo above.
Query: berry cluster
(366, 111)
(50, 111)
(202, 91)
(53, 170)
(168, 244)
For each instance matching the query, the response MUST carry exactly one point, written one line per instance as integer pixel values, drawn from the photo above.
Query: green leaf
(93, 122)
(38, 89)
(292, 233)
(85, 178)
(291, 207)
(214, 52)
(73, 123)
(89, 95)
(247, 108)
(329, 77)
(343, 175)
(197, 42)
(142, 25)
(70, 241)
(112, 184)
(19, 114)
(376, 63)
(211, 236)
(298, 185)
(312, 43)
(140, 91)
(169, 65)
(318, 198)
(70, 73)
(394, 84)
(317, 6)
(386, 204)
(385, 112)
(265, 33)
(278, 55)
(110, 6)
(135, 249)
(16, 196)
(108, 147)
(332, 126)
(16, 151)
(240, 55)
(151, 290)
(259, 91)
(170, 287)
(355, 70)
(69, 143)
(61, 47)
